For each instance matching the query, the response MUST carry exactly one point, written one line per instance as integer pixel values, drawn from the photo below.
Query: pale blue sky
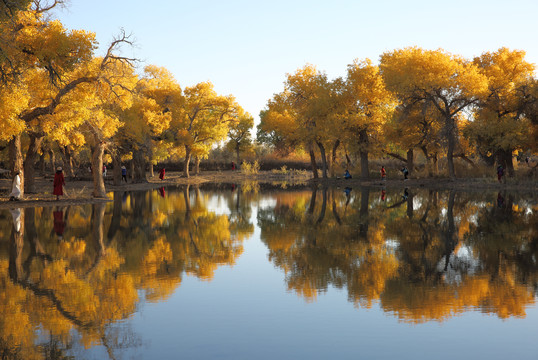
(246, 47)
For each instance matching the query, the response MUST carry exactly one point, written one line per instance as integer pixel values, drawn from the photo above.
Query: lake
(267, 272)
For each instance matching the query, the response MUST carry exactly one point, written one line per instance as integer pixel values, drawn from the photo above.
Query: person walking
(161, 174)
(405, 172)
(16, 188)
(58, 183)
(124, 174)
(383, 173)
(500, 173)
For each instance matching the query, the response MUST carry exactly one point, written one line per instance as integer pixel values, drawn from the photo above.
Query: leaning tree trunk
(151, 170)
(16, 161)
(363, 142)
(186, 163)
(323, 159)
(313, 162)
(97, 164)
(29, 163)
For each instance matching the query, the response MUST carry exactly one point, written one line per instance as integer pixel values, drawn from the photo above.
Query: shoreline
(80, 191)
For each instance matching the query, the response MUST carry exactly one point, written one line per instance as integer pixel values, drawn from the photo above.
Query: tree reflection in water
(91, 275)
(75, 272)
(423, 255)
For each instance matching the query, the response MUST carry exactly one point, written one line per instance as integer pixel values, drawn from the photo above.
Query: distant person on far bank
(161, 174)
(500, 173)
(347, 175)
(124, 173)
(233, 166)
(58, 183)
(383, 173)
(405, 172)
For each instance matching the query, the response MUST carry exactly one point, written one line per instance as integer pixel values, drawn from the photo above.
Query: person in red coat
(59, 183)
(161, 174)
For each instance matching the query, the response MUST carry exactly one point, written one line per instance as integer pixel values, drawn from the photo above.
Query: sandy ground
(80, 191)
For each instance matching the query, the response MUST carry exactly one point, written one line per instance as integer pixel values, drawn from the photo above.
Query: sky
(246, 48)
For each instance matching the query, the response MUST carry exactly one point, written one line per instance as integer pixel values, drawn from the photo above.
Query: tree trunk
(429, 164)
(97, 164)
(41, 163)
(116, 171)
(237, 154)
(313, 162)
(323, 159)
(52, 160)
(187, 161)
(139, 161)
(151, 170)
(333, 162)
(504, 157)
(363, 142)
(196, 165)
(410, 161)
(67, 162)
(132, 170)
(29, 163)
(449, 122)
(16, 162)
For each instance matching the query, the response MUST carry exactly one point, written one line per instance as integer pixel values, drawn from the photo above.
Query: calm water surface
(239, 272)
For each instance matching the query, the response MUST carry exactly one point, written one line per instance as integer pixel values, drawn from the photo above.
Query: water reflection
(422, 255)
(69, 276)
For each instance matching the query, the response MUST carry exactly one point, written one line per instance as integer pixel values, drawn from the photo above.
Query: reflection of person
(500, 200)
(59, 182)
(383, 173)
(16, 214)
(16, 188)
(383, 195)
(233, 187)
(161, 174)
(347, 191)
(59, 223)
(347, 175)
(162, 192)
(123, 173)
(405, 194)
